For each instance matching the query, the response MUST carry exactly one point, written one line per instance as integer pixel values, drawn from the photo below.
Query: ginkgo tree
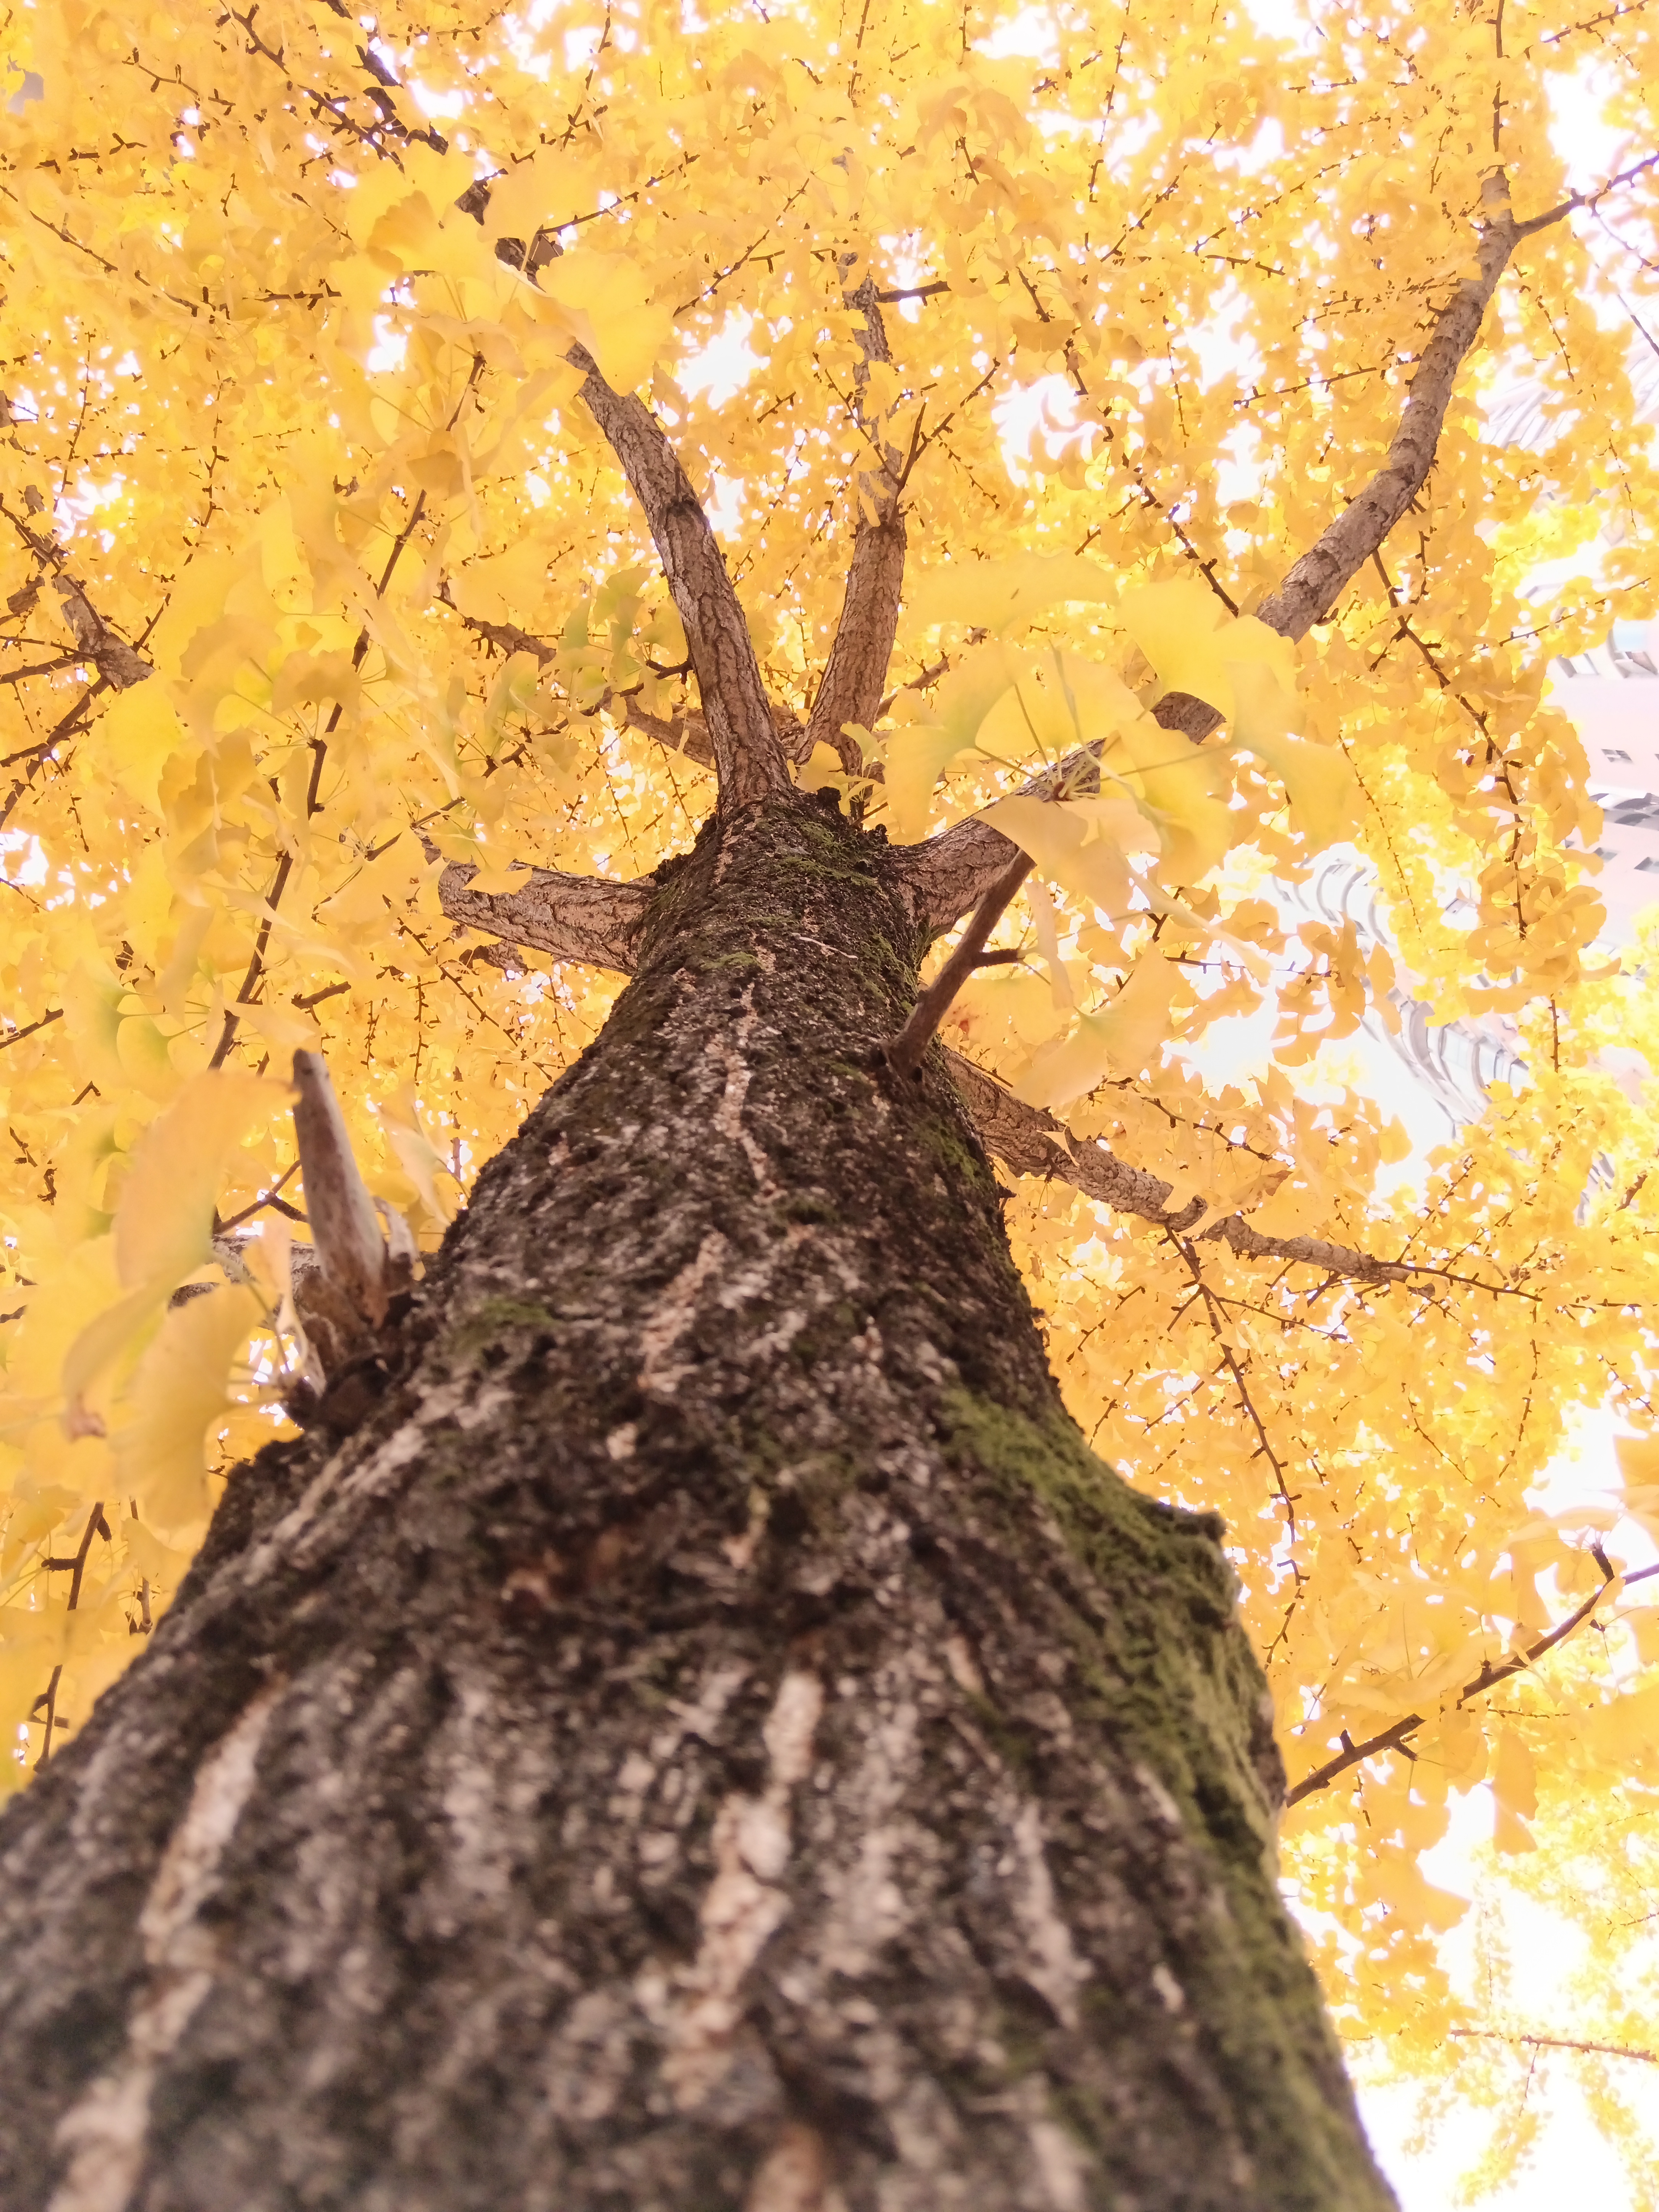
(662, 671)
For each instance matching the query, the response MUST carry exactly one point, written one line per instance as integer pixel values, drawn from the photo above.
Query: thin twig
(75, 1567)
(265, 1197)
(17, 1035)
(905, 1050)
(1393, 1738)
(1554, 2042)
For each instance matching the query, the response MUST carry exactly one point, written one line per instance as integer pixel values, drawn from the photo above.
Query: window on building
(1648, 865)
(1612, 753)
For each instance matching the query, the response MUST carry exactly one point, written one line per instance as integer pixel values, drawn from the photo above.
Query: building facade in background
(1611, 695)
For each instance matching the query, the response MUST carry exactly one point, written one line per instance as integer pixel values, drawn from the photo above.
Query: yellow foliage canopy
(321, 579)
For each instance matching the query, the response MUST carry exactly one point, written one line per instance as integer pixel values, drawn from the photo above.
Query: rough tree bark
(695, 1726)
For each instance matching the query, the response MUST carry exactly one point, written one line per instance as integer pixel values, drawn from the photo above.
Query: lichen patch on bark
(744, 1902)
(105, 2132)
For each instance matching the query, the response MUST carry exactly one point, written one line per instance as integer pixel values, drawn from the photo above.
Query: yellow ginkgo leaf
(78, 1287)
(1318, 781)
(530, 194)
(419, 1158)
(972, 689)
(163, 1223)
(1177, 787)
(1101, 706)
(997, 595)
(1174, 625)
(1638, 1462)
(1623, 1728)
(415, 235)
(1509, 1833)
(507, 587)
(1513, 1780)
(1121, 1039)
(1195, 647)
(491, 882)
(1080, 846)
(1418, 1901)
(917, 756)
(606, 303)
(136, 737)
(178, 1390)
(99, 1345)
(1036, 719)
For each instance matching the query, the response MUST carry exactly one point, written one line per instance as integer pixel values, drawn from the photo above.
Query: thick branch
(578, 918)
(1310, 589)
(1032, 1142)
(856, 674)
(742, 735)
(748, 757)
(951, 872)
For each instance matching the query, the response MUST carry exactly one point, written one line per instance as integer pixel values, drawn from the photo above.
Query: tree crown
(446, 456)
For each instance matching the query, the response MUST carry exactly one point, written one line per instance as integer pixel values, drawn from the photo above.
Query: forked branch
(748, 759)
(856, 673)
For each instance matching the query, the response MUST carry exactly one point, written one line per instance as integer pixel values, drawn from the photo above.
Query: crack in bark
(107, 2131)
(751, 1841)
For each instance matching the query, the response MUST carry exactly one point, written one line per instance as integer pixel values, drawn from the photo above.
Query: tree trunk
(693, 1726)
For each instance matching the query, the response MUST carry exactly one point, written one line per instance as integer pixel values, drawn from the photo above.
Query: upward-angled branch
(904, 1051)
(1398, 1735)
(739, 727)
(856, 674)
(748, 758)
(951, 872)
(1310, 589)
